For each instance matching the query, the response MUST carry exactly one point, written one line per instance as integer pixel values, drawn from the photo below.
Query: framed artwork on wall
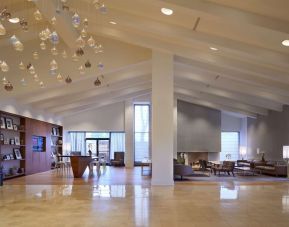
(17, 140)
(3, 122)
(15, 127)
(9, 123)
(12, 141)
(17, 153)
(1, 138)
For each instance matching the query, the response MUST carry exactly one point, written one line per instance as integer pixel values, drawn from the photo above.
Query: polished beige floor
(86, 202)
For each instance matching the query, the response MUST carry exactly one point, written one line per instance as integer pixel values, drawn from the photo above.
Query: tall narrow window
(229, 146)
(141, 132)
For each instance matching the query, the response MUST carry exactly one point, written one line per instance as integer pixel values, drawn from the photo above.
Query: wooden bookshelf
(26, 129)
(56, 142)
(13, 132)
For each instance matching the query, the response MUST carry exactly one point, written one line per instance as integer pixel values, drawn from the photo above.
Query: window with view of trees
(141, 132)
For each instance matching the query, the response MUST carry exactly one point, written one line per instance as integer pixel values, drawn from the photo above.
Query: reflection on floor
(104, 202)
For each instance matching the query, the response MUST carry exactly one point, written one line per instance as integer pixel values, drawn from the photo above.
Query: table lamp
(286, 157)
(243, 152)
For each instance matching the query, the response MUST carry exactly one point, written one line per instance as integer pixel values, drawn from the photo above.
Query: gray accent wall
(269, 134)
(199, 128)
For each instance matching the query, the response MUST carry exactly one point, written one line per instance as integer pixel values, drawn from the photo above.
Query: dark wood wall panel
(37, 161)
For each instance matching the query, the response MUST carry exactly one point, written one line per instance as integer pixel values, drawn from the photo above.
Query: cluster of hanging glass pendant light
(46, 35)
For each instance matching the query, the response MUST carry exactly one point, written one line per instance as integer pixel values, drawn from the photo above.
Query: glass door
(103, 149)
(91, 145)
(98, 148)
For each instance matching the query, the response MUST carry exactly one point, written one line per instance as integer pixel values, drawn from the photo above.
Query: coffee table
(245, 170)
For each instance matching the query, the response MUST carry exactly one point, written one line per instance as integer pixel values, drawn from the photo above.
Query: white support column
(129, 141)
(162, 118)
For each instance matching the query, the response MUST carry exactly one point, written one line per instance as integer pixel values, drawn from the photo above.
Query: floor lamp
(286, 157)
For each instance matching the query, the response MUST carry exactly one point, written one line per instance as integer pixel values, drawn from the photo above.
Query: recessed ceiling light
(167, 11)
(14, 20)
(285, 42)
(112, 22)
(214, 48)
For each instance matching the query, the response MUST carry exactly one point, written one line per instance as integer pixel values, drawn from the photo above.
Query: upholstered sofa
(276, 168)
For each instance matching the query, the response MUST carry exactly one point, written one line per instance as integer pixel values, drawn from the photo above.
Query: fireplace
(193, 157)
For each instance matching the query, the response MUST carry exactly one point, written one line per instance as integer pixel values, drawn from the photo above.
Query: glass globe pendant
(23, 82)
(2, 29)
(35, 55)
(41, 84)
(21, 66)
(68, 80)
(80, 42)
(53, 65)
(4, 67)
(59, 77)
(91, 42)
(64, 54)
(83, 33)
(8, 86)
(31, 69)
(85, 23)
(54, 51)
(37, 15)
(100, 65)
(4, 80)
(53, 20)
(36, 78)
(54, 39)
(75, 20)
(74, 57)
(42, 46)
(81, 70)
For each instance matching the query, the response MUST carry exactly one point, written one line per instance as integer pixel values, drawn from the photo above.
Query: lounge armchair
(226, 167)
(118, 159)
(204, 166)
(182, 170)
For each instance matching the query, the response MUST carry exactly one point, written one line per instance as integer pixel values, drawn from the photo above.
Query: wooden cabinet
(18, 155)
(12, 145)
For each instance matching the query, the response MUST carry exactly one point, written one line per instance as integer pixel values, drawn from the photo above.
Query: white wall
(12, 106)
(107, 118)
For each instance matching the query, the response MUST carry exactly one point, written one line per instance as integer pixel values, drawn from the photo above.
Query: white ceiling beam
(259, 73)
(99, 98)
(103, 103)
(202, 41)
(231, 85)
(200, 102)
(234, 15)
(238, 97)
(222, 101)
(262, 83)
(97, 93)
(77, 87)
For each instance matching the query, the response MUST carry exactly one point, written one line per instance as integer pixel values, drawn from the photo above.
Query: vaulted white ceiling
(248, 74)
